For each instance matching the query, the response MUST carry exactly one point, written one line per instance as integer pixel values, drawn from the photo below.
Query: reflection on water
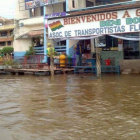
(70, 108)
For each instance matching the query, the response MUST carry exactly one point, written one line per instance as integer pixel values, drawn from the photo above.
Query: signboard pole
(45, 36)
(67, 41)
(67, 5)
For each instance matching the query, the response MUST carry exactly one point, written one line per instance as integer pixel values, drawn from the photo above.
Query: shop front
(116, 33)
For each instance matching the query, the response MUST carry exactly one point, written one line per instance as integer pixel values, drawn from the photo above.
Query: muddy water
(70, 108)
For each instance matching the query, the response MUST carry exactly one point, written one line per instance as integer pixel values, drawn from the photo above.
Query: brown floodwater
(70, 107)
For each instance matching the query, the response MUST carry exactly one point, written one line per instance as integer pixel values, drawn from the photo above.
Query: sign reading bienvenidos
(123, 21)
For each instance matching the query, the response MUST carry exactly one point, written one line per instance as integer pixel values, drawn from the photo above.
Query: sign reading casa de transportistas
(123, 21)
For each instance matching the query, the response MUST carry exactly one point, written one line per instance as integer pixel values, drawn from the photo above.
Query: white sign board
(123, 21)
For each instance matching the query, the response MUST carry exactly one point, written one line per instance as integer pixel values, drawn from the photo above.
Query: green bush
(1, 51)
(30, 52)
(7, 50)
(8, 62)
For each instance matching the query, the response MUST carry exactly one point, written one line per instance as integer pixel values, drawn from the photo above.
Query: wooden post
(52, 65)
(98, 63)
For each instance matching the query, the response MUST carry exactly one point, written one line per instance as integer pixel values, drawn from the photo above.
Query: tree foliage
(7, 50)
(30, 52)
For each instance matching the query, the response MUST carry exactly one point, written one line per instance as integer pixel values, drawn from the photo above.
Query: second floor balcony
(32, 21)
(95, 6)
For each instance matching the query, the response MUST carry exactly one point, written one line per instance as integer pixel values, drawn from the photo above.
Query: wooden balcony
(6, 38)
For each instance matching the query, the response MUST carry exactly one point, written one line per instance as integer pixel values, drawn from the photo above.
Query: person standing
(50, 54)
(78, 50)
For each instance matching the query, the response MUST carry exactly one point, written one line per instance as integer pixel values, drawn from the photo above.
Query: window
(2, 43)
(89, 3)
(61, 43)
(32, 12)
(111, 42)
(38, 41)
(9, 43)
(73, 3)
(64, 6)
(39, 11)
(42, 11)
(131, 48)
(4, 33)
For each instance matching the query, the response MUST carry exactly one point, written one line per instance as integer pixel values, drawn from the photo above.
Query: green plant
(8, 62)
(30, 51)
(0, 51)
(7, 50)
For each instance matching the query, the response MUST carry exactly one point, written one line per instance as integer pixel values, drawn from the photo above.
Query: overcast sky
(7, 8)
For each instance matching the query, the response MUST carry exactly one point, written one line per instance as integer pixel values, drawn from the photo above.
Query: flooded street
(70, 107)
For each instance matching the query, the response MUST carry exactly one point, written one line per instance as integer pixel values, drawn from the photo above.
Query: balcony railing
(7, 36)
(55, 1)
(99, 4)
(105, 2)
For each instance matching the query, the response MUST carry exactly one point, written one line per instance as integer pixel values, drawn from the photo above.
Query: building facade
(6, 32)
(112, 26)
(29, 31)
(30, 28)
(130, 48)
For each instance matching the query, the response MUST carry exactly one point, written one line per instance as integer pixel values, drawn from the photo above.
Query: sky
(7, 8)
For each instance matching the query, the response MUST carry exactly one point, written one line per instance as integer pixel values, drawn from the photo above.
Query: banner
(36, 3)
(61, 14)
(124, 21)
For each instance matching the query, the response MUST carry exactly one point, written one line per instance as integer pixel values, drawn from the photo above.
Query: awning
(31, 34)
(127, 37)
(124, 36)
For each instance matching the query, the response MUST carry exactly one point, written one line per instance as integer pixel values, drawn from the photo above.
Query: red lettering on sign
(88, 18)
(66, 21)
(114, 15)
(126, 14)
(138, 12)
(83, 18)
